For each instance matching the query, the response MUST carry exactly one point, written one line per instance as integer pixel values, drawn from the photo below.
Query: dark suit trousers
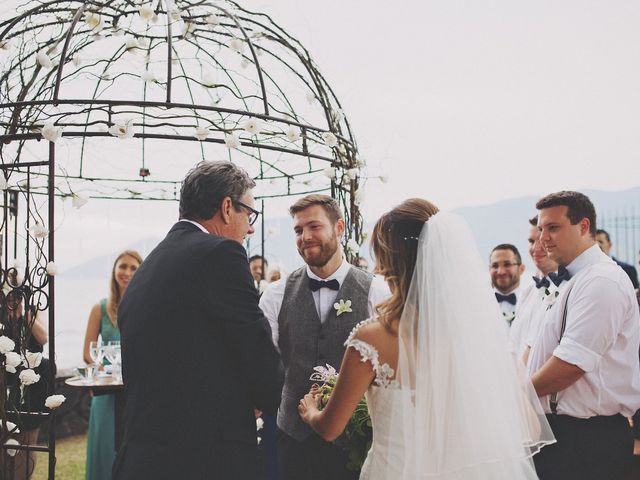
(312, 459)
(597, 448)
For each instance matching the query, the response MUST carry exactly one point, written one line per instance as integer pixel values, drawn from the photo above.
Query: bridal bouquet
(358, 431)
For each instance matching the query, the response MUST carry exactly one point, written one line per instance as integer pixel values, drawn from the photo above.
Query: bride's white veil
(464, 410)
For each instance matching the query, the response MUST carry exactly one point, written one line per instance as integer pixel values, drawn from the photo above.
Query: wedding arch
(118, 99)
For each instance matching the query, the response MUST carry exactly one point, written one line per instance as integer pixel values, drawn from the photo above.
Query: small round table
(104, 385)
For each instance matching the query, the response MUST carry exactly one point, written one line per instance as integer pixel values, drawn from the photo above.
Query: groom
(197, 351)
(311, 331)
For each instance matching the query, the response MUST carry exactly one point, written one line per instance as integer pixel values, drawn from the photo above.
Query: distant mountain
(507, 221)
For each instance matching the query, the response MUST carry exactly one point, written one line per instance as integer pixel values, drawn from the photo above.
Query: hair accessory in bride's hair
(411, 238)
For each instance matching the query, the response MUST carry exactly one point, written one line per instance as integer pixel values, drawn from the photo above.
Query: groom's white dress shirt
(530, 310)
(324, 298)
(602, 336)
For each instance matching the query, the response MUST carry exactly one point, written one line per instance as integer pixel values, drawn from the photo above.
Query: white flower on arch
(231, 140)
(123, 130)
(43, 59)
(50, 132)
(329, 139)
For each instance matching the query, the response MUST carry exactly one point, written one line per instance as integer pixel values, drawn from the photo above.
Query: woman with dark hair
(444, 394)
(103, 323)
(27, 327)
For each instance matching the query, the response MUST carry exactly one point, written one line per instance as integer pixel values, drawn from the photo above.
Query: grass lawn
(71, 455)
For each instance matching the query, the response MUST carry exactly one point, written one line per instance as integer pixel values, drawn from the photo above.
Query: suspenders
(553, 401)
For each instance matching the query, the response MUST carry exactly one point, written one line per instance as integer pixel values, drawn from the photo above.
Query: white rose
(329, 139)
(352, 173)
(330, 173)
(146, 12)
(353, 246)
(11, 451)
(39, 230)
(28, 377)
(12, 360)
(293, 134)
(149, 77)
(358, 196)
(232, 141)
(201, 133)
(6, 344)
(54, 401)
(236, 45)
(43, 59)
(251, 126)
(213, 19)
(32, 359)
(51, 132)
(11, 427)
(259, 423)
(123, 130)
(79, 199)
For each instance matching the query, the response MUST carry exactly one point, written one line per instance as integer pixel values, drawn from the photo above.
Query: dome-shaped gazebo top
(134, 93)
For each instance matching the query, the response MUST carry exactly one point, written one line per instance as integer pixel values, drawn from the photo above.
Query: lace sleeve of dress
(368, 353)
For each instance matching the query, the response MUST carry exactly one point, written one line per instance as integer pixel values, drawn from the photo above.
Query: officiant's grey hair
(207, 184)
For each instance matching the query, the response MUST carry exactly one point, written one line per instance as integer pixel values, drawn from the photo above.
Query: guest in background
(103, 324)
(531, 307)
(31, 398)
(274, 274)
(603, 239)
(584, 361)
(505, 268)
(258, 266)
(362, 264)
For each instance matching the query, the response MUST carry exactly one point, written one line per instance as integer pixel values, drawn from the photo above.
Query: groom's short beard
(327, 251)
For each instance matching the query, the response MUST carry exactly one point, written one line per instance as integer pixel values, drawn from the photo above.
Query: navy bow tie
(316, 285)
(511, 298)
(541, 282)
(562, 275)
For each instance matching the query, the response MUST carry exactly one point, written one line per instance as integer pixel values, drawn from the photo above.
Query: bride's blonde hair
(395, 247)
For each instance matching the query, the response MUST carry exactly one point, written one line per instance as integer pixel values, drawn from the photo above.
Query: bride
(446, 398)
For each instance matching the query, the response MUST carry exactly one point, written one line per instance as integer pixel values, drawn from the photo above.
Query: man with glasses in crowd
(196, 349)
(505, 268)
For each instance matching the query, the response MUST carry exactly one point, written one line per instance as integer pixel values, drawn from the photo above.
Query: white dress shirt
(324, 298)
(520, 292)
(601, 337)
(195, 223)
(530, 310)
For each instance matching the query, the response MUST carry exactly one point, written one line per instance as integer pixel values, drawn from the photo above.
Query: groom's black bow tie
(541, 282)
(316, 285)
(562, 275)
(511, 298)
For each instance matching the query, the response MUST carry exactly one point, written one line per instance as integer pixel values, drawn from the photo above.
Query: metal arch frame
(27, 111)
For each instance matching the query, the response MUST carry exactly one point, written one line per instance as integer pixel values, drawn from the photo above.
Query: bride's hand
(308, 406)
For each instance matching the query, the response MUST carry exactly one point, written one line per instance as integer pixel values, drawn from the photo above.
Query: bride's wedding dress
(458, 407)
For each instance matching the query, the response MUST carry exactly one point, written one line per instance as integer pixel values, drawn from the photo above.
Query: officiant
(312, 312)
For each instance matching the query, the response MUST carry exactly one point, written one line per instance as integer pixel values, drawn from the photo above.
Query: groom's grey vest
(305, 342)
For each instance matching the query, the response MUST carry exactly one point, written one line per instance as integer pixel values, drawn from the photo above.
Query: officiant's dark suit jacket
(197, 359)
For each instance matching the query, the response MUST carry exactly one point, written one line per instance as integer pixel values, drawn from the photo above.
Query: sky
(461, 102)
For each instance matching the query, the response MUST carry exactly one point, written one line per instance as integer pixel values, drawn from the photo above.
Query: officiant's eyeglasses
(252, 212)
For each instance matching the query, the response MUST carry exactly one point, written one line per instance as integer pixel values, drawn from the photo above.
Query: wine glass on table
(115, 358)
(96, 353)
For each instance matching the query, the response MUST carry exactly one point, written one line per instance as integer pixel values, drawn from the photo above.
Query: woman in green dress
(103, 323)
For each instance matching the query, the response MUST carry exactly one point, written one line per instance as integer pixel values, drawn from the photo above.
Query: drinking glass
(114, 356)
(96, 352)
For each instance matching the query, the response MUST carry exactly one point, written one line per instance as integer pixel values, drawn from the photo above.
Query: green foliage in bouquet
(359, 432)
